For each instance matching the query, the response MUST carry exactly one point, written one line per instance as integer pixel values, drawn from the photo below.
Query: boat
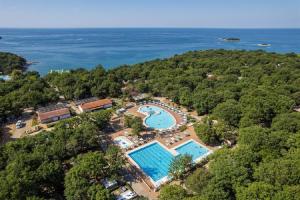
(0, 37)
(231, 39)
(32, 62)
(264, 45)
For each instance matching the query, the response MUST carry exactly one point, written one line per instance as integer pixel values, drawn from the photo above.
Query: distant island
(231, 39)
(10, 62)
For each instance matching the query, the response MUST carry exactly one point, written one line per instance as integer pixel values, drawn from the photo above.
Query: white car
(19, 124)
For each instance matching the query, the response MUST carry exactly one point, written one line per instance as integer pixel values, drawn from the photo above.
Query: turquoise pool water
(157, 118)
(155, 160)
(193, 149)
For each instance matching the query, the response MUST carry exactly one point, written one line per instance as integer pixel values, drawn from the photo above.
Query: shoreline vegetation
(10, 62)
(246, 97)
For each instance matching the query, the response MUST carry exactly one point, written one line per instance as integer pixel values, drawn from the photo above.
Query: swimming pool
(154, 159)
(157, 118)
(192, 148)
(123, 142)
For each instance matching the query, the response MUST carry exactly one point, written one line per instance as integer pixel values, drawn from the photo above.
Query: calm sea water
(72, 48)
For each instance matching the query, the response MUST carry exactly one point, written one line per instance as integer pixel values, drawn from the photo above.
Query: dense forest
(22, 91)
(65, 163)
(247, 98)
(10, 62)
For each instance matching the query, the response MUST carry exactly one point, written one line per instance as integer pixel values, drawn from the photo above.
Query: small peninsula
(10, 62)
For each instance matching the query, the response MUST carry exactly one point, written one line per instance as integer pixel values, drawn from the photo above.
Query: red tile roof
(95, 104)
(53, 113)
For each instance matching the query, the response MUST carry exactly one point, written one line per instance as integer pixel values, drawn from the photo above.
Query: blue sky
(150, 13)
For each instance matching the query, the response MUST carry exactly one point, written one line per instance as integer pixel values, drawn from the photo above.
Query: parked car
(20, 124)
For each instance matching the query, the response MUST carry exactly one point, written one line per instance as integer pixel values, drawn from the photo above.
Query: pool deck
(145, 184)
(135, 111)
(190, 130)
(145, 179)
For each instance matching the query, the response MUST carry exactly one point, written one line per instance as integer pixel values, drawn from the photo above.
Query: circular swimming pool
(157, 118)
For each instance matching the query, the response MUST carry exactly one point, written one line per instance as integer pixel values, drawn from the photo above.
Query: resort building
(53, 113)
(95, 104)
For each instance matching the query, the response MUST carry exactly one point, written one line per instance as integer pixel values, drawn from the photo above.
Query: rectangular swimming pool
(192, 148)
(155, 160)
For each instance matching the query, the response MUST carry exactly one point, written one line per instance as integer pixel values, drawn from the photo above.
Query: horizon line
(149, 27)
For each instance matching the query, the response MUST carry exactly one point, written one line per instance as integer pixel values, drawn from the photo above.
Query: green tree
(289, 122)
(206, 132)
(114, 158)
(137, 126)
(97, 192)
(284, 171)
(88, 169)
(197, 181)
(229, 111)
(10, 62)
(288, 193)
(136, 123)
(256, 190)
(206, 100)
(172, 192)
(179, 165)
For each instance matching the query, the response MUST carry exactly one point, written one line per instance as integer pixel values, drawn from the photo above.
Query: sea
(57, 49)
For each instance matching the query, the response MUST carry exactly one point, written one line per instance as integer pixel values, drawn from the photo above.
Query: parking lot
(20, 132)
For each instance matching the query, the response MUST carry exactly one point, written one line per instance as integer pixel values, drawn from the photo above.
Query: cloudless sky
(150, 13)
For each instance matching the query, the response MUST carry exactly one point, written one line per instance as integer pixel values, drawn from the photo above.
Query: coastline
(67, 49)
